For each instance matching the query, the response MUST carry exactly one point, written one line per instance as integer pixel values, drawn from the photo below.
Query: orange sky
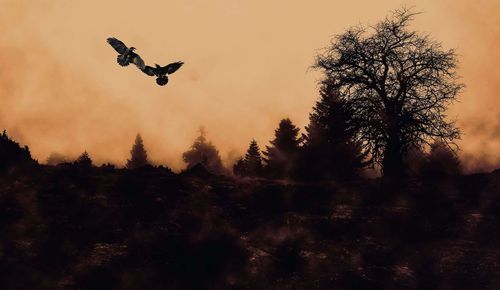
(247, 66)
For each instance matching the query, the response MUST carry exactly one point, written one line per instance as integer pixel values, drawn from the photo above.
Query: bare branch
(399, 83)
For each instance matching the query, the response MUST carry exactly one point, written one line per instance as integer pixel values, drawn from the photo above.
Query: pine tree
(12, 154)
(281, 156)
(139, 156)
(251, 164)
(329, 150)
(239, 168)
(83, 160)
(331, 119)
(205, 153)
(253, 159)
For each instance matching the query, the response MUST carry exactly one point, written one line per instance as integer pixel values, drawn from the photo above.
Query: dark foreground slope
(103, 228)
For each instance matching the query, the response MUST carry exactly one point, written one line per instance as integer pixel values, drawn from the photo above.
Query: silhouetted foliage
(204, 152)
(106, 228)
(108, 166)
(56, 159)
(139, 156)
(330, 149)
(281, 156)
(149, 228)
(12, 154)
(399, 83)
(441, 161)
(251, 164)
(83, 160)
(239, 168)
(414, 161)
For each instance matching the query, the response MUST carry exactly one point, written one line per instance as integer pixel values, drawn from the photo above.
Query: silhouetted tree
(253, 159)
(205, 153)
(108, 166)
(281, 156)
(442, 161)
(83, 160)
(330, 149)
(239, 168)
(139, 156)
(57, 158)
(12, 154)
(251, 164)
(399, 83)
(415, 160)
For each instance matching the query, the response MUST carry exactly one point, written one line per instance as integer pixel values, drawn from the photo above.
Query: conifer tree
(205, 153)
(12, 154)
(83, 160)
(253, 159)
(329, 149)
(281, 156)
(239, 167)
(251, 164)
(139, 156)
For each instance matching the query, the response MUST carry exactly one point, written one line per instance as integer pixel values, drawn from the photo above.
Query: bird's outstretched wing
(119, 46)
(171, 68)
(149, 70)
(137, 60)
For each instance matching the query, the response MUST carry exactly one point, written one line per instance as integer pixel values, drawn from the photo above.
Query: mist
(247, 66)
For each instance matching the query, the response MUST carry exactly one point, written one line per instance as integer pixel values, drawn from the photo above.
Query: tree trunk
(392, 164)
(393, 160)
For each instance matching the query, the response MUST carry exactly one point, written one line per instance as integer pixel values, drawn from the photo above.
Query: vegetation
(251, 164)
(105, 228)
(281, 156)
(84, 160)
(304, 216)
(330, 150)
(398, 83)
(139, 156)
(12, 155)
(204, 153)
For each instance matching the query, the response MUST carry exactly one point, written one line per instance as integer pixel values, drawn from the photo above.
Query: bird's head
(157, 65)
(132, 48)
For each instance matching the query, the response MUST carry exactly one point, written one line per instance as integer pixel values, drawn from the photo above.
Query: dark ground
(102, 228)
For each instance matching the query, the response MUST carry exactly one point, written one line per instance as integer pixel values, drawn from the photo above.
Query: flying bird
(126, 54)
(162, 73)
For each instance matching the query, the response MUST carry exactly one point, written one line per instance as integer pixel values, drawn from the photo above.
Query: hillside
(66, 227)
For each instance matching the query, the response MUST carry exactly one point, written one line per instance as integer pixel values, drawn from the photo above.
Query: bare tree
(399, 83)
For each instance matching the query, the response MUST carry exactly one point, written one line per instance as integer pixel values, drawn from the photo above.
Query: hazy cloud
(246, 68)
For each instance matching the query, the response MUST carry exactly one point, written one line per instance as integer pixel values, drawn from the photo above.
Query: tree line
(383, 99)
(384, 92)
